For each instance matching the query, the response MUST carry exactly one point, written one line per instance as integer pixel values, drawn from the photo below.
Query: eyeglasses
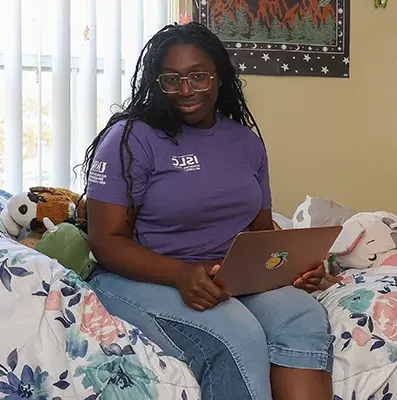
(170, 83)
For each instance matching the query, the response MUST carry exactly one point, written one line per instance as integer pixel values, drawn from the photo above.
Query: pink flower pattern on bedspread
(362, 311)
(96, 320)
(385, 315)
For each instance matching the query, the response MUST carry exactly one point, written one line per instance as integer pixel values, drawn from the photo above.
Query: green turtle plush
(67, 244)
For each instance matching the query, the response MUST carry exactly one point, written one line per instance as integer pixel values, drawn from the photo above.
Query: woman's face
(197, 107)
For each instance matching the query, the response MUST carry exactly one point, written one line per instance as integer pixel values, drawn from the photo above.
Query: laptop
(265, 260)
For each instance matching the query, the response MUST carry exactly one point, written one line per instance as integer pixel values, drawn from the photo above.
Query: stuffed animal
(28, 209)
(65, 243)
(367, 240)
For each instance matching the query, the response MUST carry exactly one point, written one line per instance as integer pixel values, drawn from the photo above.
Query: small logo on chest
(188, 162)
(98, 166)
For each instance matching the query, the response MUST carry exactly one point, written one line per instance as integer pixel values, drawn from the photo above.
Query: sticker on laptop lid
(277, 260)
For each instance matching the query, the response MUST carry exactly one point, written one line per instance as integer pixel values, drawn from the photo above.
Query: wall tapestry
(282, 37)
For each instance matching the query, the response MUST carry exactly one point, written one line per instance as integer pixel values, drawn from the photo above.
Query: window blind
(90, 63)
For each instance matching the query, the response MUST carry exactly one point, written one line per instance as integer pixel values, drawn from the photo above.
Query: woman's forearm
(121, 255)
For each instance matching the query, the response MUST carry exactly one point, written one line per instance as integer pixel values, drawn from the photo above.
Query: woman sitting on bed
(172, 179)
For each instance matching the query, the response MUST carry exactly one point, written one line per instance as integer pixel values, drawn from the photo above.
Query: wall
(336, 137)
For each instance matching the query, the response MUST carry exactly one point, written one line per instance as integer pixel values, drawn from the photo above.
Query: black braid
(148, 104)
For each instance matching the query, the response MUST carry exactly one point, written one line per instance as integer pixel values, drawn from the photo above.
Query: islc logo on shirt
(189, 162)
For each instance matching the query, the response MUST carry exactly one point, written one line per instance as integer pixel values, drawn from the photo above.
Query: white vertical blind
(173, 11)
(155, 14)
(77, 182)
(60, 140)
(50, 49)
(39, 115)
(87, 96)
(133, 21)
(13, 144)
(113, 56)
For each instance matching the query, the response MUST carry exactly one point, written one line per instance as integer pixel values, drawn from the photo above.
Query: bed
(58, 342)
(362, 310)
(363, 315)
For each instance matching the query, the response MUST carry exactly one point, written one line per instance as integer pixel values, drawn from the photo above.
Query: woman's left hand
(311, 281)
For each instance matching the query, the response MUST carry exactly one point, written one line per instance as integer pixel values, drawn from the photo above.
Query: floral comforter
(363, 316)
(58, 342)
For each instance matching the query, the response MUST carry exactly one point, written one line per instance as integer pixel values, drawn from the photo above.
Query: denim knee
(238, 356)
(304, 339)
(296, 326)
(210, 361)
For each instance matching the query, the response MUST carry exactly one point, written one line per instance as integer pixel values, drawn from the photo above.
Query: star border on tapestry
(278, 57)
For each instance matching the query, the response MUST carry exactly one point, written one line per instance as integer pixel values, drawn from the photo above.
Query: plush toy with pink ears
(367, 240)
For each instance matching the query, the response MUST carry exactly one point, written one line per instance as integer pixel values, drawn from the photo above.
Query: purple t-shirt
(194, 196)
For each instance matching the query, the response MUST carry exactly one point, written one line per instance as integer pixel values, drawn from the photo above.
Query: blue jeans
(230, 347)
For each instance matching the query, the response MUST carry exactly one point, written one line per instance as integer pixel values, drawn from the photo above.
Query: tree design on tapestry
(312, 22)
(311, 26)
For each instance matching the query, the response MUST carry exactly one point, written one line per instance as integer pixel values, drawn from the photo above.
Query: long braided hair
(148, 103)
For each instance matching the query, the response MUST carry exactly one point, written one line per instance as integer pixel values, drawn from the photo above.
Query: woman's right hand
(197, 289)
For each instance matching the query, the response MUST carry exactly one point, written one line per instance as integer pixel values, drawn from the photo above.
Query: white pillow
(282, 221)
(317, 211)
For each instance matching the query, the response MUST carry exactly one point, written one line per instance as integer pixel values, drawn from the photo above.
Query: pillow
(4, 197)
(281, 222)
(317, 211)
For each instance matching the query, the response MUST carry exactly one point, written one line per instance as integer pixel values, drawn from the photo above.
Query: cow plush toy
(52, 220)
(28, 209)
